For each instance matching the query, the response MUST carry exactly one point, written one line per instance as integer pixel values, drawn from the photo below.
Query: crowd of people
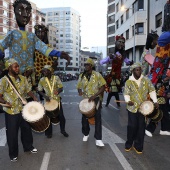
(29, 71)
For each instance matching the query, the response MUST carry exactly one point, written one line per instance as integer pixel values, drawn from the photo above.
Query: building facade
(133, 19)
(67, 23)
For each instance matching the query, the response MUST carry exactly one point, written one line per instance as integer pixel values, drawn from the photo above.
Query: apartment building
(8, 21)
(67, 21)
(125, 15)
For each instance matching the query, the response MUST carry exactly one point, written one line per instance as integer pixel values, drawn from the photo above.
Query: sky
(93, 20)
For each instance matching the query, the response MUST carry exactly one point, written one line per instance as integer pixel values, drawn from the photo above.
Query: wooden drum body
(33, 112)
(52, 111)
(88, 109)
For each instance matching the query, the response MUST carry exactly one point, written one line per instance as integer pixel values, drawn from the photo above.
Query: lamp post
(134, 32)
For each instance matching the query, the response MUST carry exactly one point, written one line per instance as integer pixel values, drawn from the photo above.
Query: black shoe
(14, 159)
(65, 134)
(118, 105)
(106, 105)
(127, 149)
(138, 151)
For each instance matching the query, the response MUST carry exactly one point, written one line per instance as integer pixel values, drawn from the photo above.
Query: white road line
(45, 162)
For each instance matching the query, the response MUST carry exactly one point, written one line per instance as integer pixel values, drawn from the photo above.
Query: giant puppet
(22, 43)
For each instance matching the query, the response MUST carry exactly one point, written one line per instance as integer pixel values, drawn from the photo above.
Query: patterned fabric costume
(22, 45)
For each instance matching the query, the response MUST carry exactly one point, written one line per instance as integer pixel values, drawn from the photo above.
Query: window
(127, 14)
(117, 7)
(111, 39)
(112, 18)
(158, 20)
(69, 41)
(111, 50)
(68, 13)
(111, 8)
(50, 13)
(61, 35)
(50, 19)
(139, 28)
(117, 24)
(5, 30)
(122, 19)
(56, 19)
(76, 59)
(5, 13)
(5, 4)
(76, 64)
(5, 21)
(55, 13)
(112, 29)
(127, 34)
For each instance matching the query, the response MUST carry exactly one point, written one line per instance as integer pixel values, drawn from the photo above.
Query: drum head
(33, 111)
(85, 106)
(51, 105)
(146, 108)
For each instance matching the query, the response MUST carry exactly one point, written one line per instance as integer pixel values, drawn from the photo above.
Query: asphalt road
(60, 153)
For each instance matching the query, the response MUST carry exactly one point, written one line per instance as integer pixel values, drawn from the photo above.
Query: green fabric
(92, 86)
(138, 94)
(113, 87)
(43, 85)
(10, 96)
(145, 64)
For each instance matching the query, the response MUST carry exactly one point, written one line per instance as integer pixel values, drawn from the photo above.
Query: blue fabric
(1, 55)
(22, 28)
(164, 39)
(55, 53)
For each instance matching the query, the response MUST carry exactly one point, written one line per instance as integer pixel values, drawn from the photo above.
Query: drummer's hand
(35, 99)
(130, 103)
(47, 98)
(91, 98)
(56, 92)
(156, 105)
(9, 104)
(80, 92)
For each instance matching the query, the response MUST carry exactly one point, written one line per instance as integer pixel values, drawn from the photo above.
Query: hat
(135, 65)
(29, 68)
(120, 37)
(41, 27)
(89, 61)
(9, 62)
(47, 67)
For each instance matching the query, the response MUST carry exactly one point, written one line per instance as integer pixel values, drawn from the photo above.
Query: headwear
(47, 67)
(41, 27)
(28, 68)
(89, 61)
(150, 37)
(9, 62)
(135, 65)
(119, 37)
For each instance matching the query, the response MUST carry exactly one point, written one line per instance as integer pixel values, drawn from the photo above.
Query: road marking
(45, 162)
(3, 136)
(111, 138)
(73, 91)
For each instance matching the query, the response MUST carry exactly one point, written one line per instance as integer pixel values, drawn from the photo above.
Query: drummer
(13, 116)
(135, 93)
(91, 84)
(52, 86)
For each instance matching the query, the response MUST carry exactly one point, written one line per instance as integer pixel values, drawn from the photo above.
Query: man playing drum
(91, 85)
(13, 116)
(52, 86)
(137, 87)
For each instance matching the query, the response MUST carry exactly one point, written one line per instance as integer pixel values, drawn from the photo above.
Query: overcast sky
(93, 19)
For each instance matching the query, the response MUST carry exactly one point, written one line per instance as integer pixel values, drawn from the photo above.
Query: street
(61, 153)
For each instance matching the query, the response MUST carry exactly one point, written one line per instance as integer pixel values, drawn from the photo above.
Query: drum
(52, 111)
(33, 112)
(148, 110)
(88, 109)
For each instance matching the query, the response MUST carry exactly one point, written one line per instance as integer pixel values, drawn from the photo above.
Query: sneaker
(14, 159)
(85, 138)
(127, 149)
(34, 150)
(99, 143)
(138, 151)
(164, 132)
(148, 133)
(65, 134)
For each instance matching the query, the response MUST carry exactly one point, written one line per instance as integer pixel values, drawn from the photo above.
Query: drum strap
(137, 91)
(51, 87)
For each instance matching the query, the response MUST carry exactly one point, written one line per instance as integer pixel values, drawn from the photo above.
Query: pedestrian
(21, 43)
(114, 85)
(52, 87)
(13, 116)
(91, 85)
(137, 87)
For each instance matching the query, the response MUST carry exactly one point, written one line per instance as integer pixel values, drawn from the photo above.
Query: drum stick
(120, 101)
(2, 104)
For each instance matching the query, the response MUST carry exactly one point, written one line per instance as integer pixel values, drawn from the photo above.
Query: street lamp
(122, 9)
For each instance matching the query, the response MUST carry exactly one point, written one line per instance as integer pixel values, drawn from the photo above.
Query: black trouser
(165, 121)
(135, 130)
(116, 94)
(62, 122)
(13, 122)
(98, 123)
